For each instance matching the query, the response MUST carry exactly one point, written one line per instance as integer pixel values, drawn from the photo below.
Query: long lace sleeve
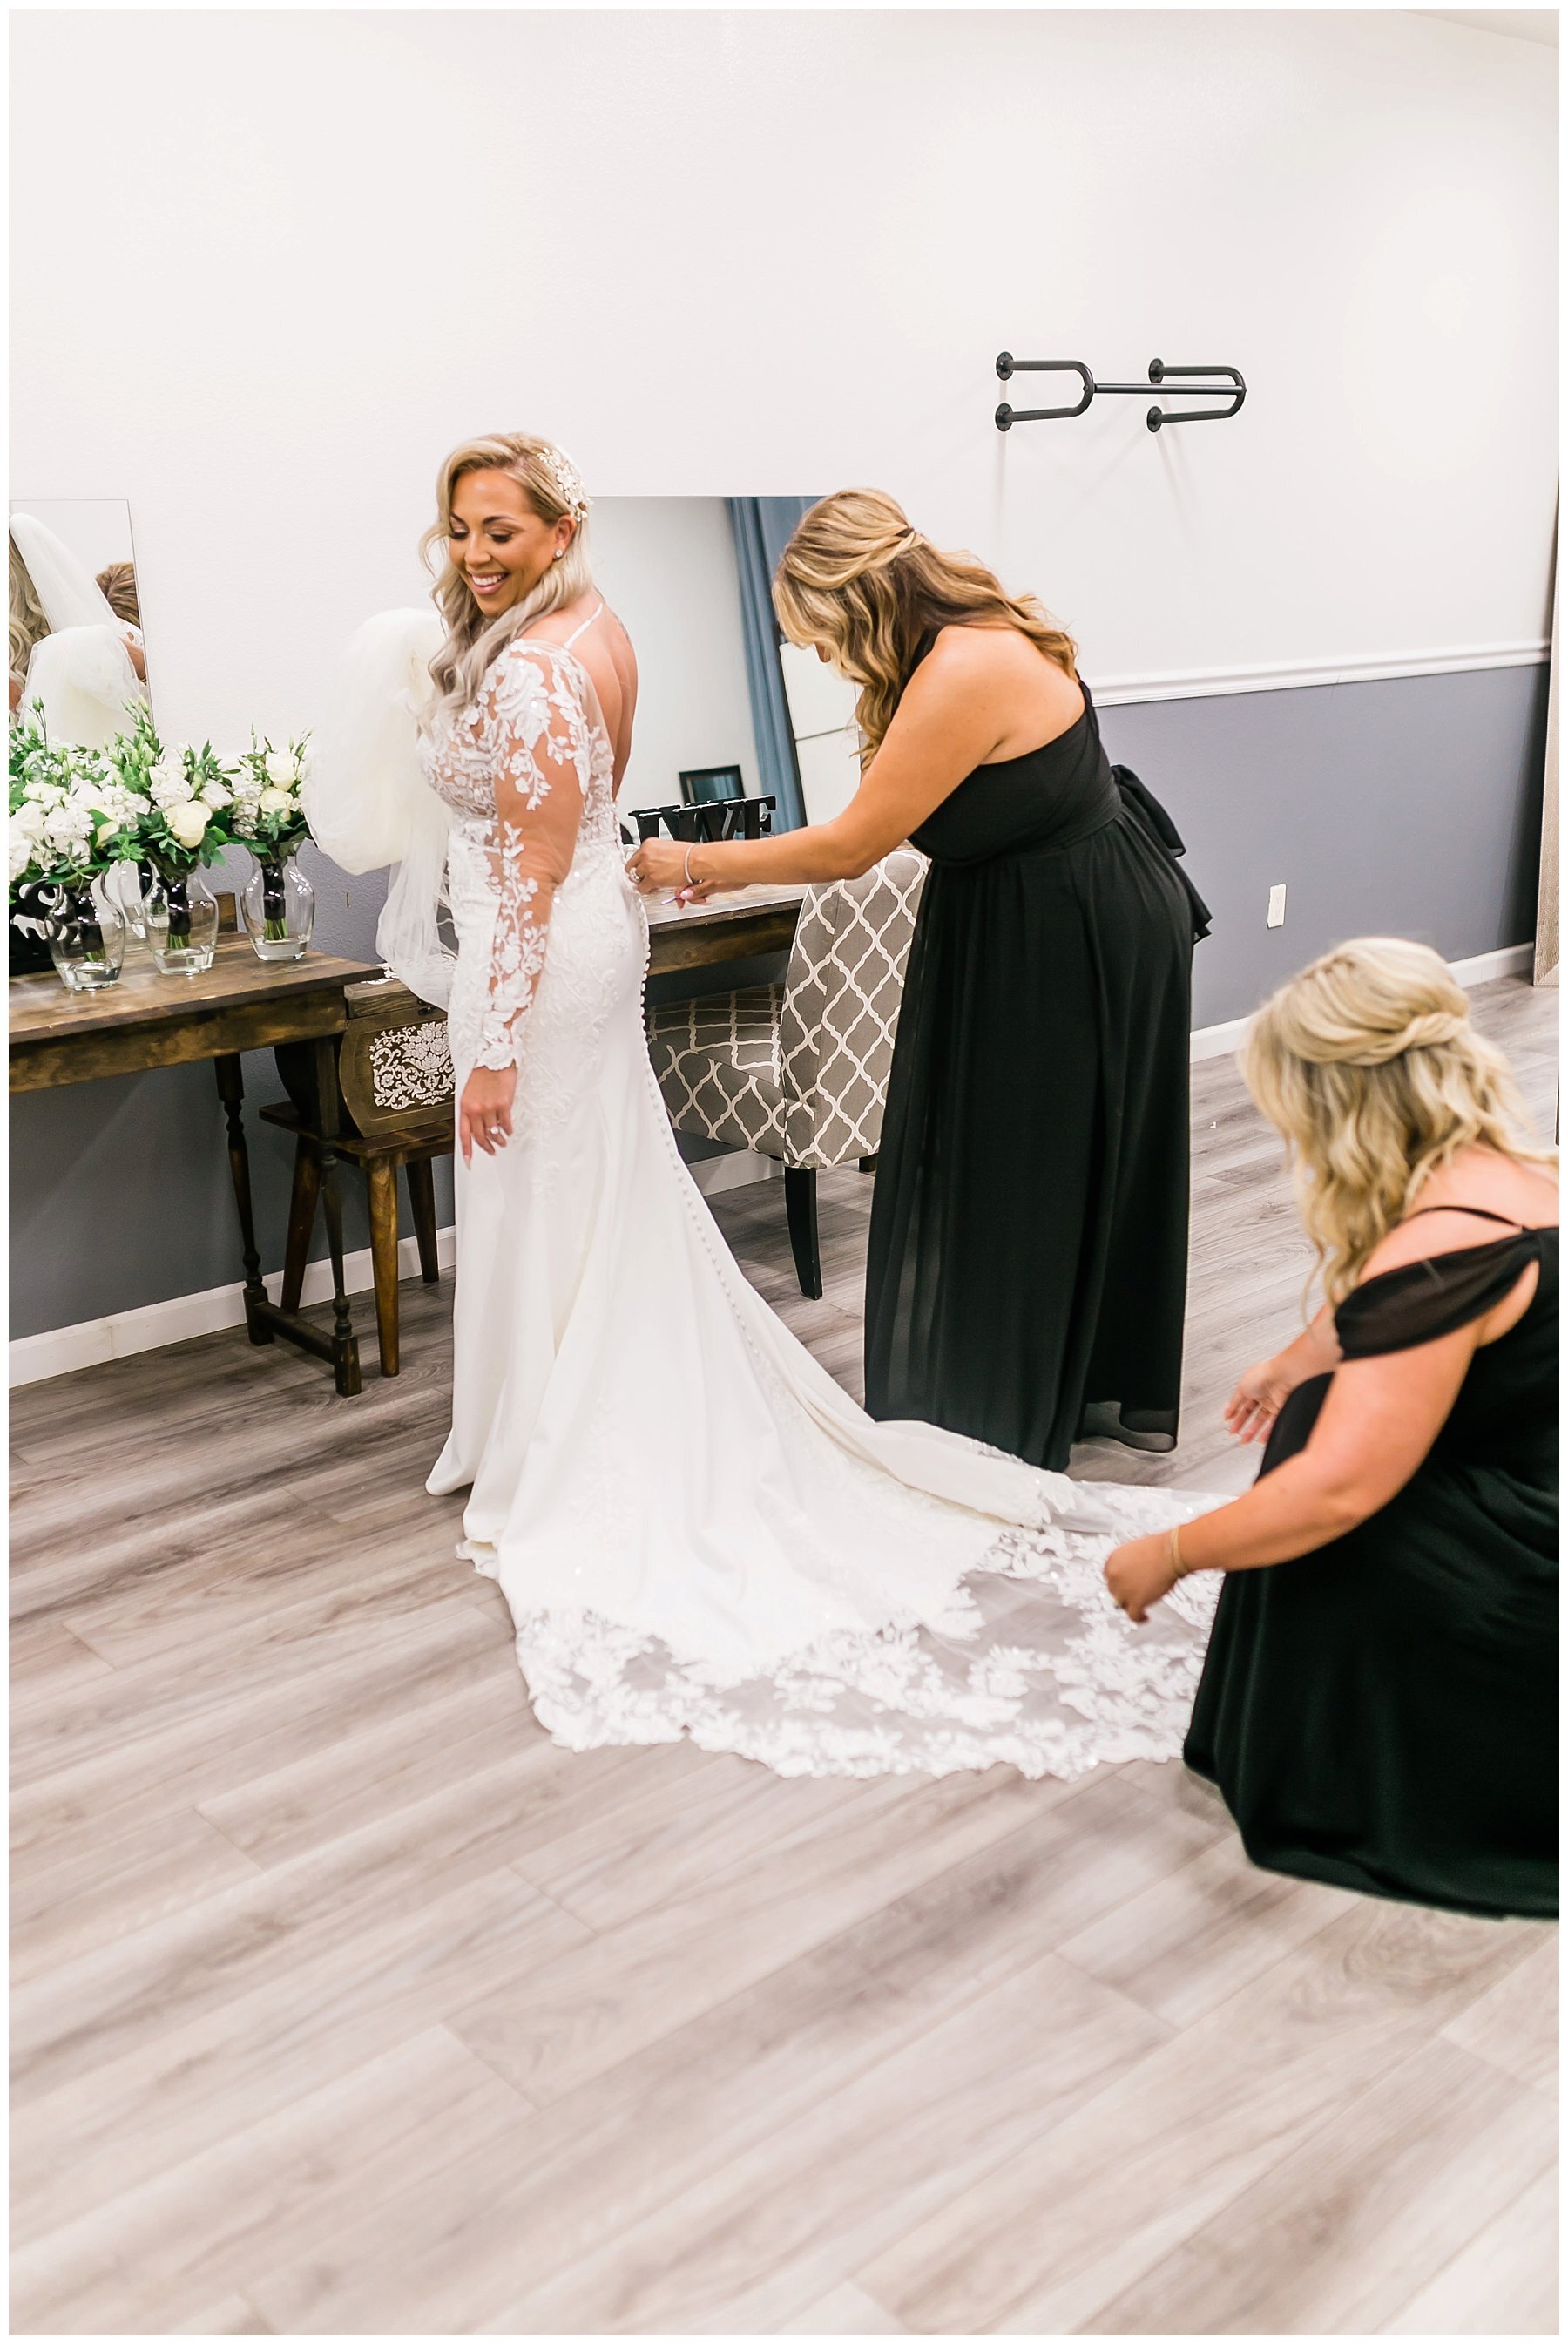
(536, 734)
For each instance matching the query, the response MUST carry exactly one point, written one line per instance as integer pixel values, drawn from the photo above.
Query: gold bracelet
(1181, 1569)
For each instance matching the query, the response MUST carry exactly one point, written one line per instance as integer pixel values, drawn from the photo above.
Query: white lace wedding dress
(696, 1531)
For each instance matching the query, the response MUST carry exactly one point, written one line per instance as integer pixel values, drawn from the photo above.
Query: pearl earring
(560, 551)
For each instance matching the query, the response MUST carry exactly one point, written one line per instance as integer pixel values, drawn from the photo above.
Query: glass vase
(277, 907)
(86, 933)
(30, 955)
(181, 913)
(125, 885)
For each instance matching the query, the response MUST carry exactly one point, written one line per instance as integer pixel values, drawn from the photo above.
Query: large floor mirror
(726, 709)
(78, 656)
(77, 653)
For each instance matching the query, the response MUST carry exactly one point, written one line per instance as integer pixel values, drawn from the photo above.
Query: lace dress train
(696, 1532)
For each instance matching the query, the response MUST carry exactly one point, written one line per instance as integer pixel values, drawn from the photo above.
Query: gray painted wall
(1409, 806)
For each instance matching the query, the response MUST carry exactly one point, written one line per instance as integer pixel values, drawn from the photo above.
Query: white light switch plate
(1276, 907)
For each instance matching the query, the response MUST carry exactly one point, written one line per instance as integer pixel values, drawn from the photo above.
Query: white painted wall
(827, 737)
(668, 565)
(718, 252)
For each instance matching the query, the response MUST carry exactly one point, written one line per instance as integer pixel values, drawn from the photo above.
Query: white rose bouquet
(73, 815)
(188, 795)
(267, 815)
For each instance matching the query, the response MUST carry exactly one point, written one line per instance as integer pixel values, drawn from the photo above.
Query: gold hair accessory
(568, 481)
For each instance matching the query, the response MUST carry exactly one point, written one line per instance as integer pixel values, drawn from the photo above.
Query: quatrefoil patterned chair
(799, 1071)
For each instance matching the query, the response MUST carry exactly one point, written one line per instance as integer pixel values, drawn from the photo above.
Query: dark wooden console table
(150, 1020)
(739, 926)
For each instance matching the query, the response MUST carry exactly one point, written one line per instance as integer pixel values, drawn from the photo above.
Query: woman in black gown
(1027, 1257)
(1380, 1708)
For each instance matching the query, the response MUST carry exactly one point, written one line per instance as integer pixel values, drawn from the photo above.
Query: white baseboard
(62, 1349)
(1217, 1041)
(1511, 960)
(735, 1169)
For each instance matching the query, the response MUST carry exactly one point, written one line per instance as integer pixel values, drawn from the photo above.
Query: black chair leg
(801, 1204)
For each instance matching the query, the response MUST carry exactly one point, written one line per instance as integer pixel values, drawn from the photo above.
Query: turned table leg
(231, 1091)
(302, 1206)
(422, 1206)
(344, 1350)
(381, 1173)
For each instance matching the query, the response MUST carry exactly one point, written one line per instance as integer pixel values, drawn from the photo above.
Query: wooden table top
(733, 926)
(42, 1010)
(739, 904)
(151, 1020)
(753, 920)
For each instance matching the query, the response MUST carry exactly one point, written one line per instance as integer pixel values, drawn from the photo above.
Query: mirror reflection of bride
(698, 1532)
(72, 653)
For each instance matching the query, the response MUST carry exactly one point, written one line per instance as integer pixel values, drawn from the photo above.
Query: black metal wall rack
(1161, 375)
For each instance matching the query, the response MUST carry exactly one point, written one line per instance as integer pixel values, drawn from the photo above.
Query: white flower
(215, 793)
(21, 850)
(275, 801)
(44, 794)
(28, 822)
(188, 821)
(282, 769)
(168, 784)
(68, 825)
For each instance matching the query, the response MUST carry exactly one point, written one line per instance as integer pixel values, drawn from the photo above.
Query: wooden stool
(394, 1107)
(381, 1156)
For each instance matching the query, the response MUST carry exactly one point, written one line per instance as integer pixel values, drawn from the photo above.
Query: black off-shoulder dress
(1027, 1249)
(1382, 1713)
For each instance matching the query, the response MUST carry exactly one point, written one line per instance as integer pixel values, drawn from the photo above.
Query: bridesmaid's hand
(1262, 1393)
(658, 865)
(1139, 1575)
(485, 1114)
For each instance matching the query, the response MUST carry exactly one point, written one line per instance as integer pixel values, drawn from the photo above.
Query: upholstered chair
(799, 1071)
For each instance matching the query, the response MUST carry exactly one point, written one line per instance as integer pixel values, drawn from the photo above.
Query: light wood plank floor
(344, 2003)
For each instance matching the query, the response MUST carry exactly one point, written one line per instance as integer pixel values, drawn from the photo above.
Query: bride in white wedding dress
(696, 1531)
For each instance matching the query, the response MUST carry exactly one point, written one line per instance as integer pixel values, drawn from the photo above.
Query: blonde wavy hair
(1368, 1065)
(29, 624)
(551, 485)
(857, 580)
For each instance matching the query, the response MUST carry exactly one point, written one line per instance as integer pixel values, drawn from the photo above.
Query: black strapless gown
(1382, 1713)
(1028, 1251)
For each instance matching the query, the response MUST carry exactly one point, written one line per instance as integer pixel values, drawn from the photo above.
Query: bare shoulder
(992, 652)
(1000, 669)
(606, 652)
(619, 645)
(1452, 1204)
(1482, 1178)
